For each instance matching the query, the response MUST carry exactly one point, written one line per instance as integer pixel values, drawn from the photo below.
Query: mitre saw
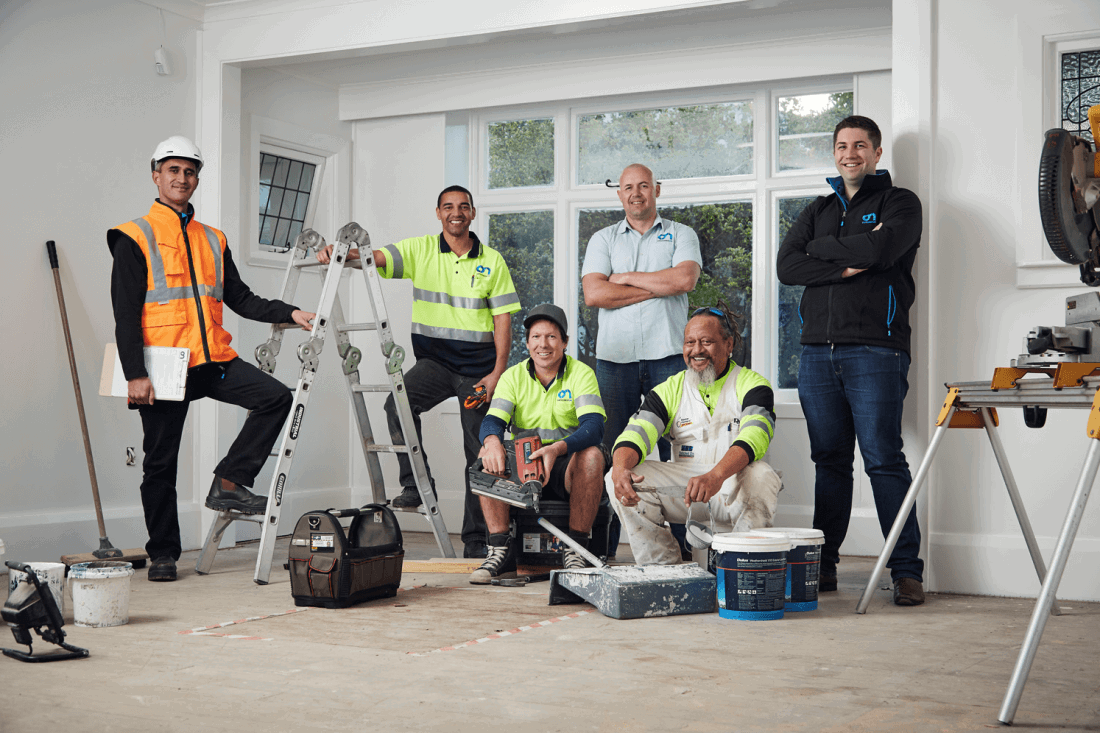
(1069, 205)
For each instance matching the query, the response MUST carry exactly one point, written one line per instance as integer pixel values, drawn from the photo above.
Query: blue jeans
(852, 392)
(622, 388)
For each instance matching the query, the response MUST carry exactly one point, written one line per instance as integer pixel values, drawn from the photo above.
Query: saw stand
(330, 317)
(1072, 384)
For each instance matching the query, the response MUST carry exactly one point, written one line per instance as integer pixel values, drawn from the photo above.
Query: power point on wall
(160, 57)
(130, 456)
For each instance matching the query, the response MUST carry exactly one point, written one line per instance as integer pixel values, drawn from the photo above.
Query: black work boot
(238, 499)
(500, 562)
(409, 498)
(163, 569)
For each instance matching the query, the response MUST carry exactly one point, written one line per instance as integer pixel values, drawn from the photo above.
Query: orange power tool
(523, 486)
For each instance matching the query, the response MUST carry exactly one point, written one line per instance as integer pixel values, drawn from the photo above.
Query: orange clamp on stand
(963, 418)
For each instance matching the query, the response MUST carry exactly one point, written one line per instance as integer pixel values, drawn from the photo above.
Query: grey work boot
(570, 558)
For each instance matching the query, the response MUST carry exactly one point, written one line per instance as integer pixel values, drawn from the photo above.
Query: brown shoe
(908, 592)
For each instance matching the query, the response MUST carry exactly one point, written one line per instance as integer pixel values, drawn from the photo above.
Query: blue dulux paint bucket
(803, 565)
(752, 575)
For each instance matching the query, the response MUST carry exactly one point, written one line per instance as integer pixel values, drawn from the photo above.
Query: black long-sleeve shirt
(129, 283)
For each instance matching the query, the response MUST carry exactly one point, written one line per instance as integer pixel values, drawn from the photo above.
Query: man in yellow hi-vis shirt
(463, 301)
(720, 418)
(556, 397)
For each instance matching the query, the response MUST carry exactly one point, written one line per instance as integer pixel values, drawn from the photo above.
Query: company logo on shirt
(565, 394)
(485, 271)
(683, 421)
(667, 236)
(869, 219)
(686, 451)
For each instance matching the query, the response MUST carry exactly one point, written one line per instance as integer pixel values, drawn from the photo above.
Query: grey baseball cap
(550, 312)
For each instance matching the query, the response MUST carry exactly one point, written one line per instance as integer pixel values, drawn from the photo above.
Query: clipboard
(166, 365)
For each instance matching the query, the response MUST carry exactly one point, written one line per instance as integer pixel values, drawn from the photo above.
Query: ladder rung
(376, 448)
(307, 262)
(371, 388)
(357, 327)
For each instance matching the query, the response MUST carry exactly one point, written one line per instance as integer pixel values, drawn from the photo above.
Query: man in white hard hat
(170, 278)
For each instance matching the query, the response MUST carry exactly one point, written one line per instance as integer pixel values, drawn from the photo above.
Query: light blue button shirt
(654, 328)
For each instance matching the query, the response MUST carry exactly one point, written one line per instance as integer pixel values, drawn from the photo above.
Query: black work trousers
(235, 382)
(427, 384)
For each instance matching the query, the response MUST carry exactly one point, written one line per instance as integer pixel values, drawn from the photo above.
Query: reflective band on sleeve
(588, 400)
(159, 293)
(457, 334)
(502, 404)
(651, 418)
(455, 301)
(393, 259)
(758, 414)
(640, 431)
(216, 250)
(503, 300)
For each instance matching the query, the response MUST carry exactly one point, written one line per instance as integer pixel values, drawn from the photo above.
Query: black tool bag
(332, 569)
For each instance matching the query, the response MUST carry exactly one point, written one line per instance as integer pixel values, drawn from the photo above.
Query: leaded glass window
(285, 187)
(1080, 90)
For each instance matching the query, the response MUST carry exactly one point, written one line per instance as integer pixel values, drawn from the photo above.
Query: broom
(106, 550)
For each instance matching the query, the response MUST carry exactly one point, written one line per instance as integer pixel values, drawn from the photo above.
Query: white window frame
(762, 188)
(331, 181)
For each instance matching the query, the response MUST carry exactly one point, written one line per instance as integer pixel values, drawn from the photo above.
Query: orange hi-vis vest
(184, 291)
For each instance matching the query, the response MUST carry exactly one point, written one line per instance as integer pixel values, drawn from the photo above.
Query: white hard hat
(176, 146)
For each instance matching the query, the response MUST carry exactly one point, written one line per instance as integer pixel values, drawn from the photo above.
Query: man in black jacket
(854, 251)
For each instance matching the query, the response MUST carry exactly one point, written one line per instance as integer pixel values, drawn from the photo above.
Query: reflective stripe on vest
(161, 293)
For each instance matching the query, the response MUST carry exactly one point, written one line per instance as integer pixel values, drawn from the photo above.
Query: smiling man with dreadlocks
(720, 418)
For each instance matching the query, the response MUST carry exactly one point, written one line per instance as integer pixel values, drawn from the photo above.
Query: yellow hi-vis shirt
(454, 300)
(521, 401)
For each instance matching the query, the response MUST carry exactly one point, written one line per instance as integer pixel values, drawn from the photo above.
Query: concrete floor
(400, 664)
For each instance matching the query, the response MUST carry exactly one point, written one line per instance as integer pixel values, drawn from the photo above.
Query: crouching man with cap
(557, 398)
(720, 418)
(170, 279)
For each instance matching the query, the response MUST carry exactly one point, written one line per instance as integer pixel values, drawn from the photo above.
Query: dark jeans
(427, 384)
(235, 382)
(855, 392)
(622, 388)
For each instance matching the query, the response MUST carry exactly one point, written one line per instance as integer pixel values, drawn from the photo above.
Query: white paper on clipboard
(166, 365)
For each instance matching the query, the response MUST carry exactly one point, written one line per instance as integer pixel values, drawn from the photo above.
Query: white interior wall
(989, 124)
(83, 109)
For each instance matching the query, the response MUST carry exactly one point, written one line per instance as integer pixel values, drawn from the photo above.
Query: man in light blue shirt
(638, 273)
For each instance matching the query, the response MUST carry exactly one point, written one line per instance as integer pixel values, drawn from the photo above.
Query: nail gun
(522, 486)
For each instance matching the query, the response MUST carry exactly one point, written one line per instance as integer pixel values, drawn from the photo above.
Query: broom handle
(51, 250)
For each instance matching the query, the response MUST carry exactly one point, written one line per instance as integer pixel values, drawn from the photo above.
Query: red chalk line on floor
(205, 630)
(502, 634)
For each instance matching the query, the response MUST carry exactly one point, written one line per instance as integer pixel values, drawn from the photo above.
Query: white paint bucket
(101, 592)
(50, 573)
(752, 575)
(803, 565)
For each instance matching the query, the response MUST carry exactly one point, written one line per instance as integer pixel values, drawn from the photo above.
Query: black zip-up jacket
(833, 234)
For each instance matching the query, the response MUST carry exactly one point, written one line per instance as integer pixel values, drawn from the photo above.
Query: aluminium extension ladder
(330, 315)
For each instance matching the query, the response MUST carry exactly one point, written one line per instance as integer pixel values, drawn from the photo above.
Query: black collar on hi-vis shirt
(475, 250)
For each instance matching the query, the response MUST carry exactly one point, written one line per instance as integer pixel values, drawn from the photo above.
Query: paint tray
(637, 591)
